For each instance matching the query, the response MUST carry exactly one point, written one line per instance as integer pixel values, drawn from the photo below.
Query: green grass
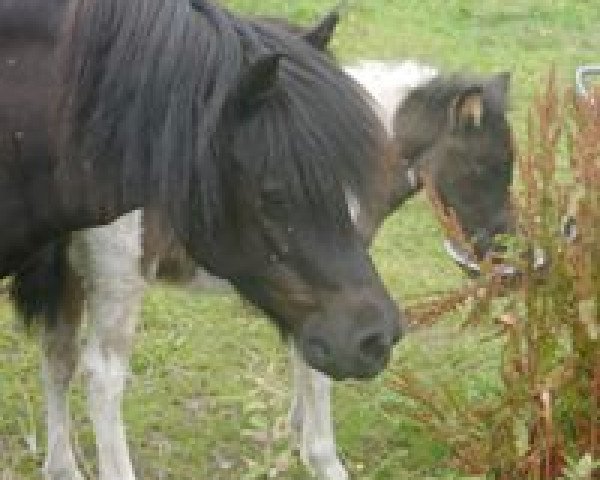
(209, 375)
(521, 36)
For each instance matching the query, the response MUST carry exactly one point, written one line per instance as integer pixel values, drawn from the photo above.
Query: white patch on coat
(390, 83)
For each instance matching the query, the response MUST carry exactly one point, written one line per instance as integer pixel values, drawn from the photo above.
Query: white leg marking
(59, 362)
(114, 287)
(297, 408)
(311, 420)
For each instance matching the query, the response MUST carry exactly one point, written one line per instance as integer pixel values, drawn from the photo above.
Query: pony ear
(467, 108)
(260, 78)
(320, 35)
(498, 87)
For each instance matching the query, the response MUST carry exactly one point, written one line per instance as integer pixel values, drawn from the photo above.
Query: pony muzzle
(470, 264)
(351, 339)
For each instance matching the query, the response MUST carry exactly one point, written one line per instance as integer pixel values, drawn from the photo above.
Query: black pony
(462, 112)
(243, 137)
(242, 134)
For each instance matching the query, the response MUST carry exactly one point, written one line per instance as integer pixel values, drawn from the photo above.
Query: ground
(209, 387)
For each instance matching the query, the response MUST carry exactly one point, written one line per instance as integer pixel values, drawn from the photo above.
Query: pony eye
(274, 197)
(274, 200)
(274, 193)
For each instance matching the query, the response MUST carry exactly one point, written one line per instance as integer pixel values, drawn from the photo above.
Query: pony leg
(297, 408)
(114, 292)
(60, 347)
(311, 420)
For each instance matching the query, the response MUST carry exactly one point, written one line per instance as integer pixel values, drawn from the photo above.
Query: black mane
(152, 80)
(324, 120)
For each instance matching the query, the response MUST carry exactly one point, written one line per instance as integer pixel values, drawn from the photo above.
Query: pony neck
(398, 180)
(45, 206)
(405, 183)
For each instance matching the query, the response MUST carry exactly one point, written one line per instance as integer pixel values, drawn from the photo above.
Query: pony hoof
(62, 474)
(335, 471)
(325, 467)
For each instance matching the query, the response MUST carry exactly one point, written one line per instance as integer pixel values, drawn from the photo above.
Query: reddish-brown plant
(548, 410)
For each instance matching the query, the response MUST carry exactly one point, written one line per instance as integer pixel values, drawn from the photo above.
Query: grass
(209, 387)
(520, 36)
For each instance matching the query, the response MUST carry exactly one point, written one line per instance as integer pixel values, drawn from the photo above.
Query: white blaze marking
(411, 175)
(353, 205)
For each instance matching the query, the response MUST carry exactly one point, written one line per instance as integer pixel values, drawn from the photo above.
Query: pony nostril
(373, 347)
(318, 351)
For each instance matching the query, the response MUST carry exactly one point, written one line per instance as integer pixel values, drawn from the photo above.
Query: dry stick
(427, 312)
